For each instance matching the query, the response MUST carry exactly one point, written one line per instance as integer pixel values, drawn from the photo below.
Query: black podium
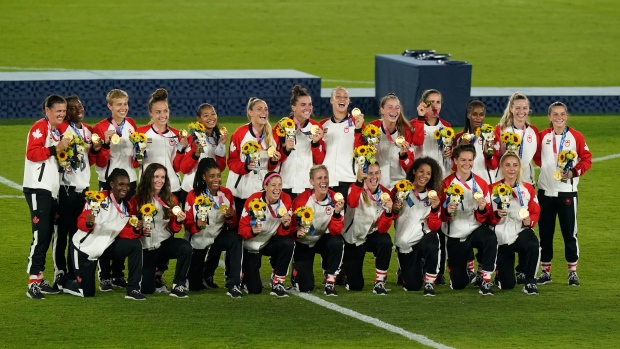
(409, 77)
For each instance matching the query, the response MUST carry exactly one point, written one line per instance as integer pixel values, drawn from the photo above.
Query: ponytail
(269, 141)
(507, 118)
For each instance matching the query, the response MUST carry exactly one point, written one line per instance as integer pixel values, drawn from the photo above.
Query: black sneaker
(59, 281)
(178, 291)
(440, 280)
(530, 289)
(477, 280)
(545, 278)
(471, 275)
(34, 291)
(46, 288)
(135, 295)
(209, 283)
(73, 288)
(119, 282)
(520, 278)
(379, 288)
(105, 285)
(485, 289)
(573, 279)
(341, 279)
(330, 290)
(160, 286)
(429, 290)
(278, 290)
(234, 292)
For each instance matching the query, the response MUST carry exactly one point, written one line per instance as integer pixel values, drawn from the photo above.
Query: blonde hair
(331, 96)
(401, 122)
(512, 154)
(269, 141)
(114, 94)
(508, 119)
(315, 168)
(364, 193)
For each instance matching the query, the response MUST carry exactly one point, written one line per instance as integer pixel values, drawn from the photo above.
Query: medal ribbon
(329, 200)
(556, 152)
(387, 133)
(119, 128)
(53, 131)
(522, 139)
(121, 209)
(161, 202)
(262, 137)
(219, 196)
(82, 134)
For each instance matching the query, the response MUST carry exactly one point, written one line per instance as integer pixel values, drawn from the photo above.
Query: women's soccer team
(298, 189)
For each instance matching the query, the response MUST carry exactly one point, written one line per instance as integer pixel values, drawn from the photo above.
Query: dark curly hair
(436, 175)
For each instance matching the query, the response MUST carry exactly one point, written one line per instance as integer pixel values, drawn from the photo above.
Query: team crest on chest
(329, 210)
(529, 138)
(480, 140)
(346, 129)
(172, 142)
(567, 143)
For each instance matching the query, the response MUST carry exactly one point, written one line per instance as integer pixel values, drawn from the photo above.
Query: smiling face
(119, 107)
(558, 117)
(390, 110)
(520, 110)
(435, 99)
(120, 187)
(422, 176)
(511, 168)
(320, 182)
(213, 178)
(476, 117)
(208, 117)
(374, 176)
(302, 110)
(465, 164)
(259, 114)
(56, 114)
(273, 189)
(75, 111)
(159, 180)
(160, 114)
(340, 101)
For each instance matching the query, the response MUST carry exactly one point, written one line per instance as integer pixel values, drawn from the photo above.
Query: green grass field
(560, 316)
(542, 43)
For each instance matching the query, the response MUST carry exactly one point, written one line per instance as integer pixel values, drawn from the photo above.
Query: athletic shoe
(545, 278)
(59, 281)
(160, 286)
(440, 280)
(119, 282)
(530, 289)
(330, 290)
(477, 280)
(178, 291)
(471, 275)
(209, 283)
(135, 295)
(379, 288)
(73, 288)
(105, 285)
(234, 292)
(573, 279)
(485, 289)
(46, 288)
(520, 278)
(34, 291)
(278, 290)
(429, 290)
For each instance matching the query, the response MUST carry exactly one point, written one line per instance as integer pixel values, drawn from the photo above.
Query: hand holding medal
(358, 116)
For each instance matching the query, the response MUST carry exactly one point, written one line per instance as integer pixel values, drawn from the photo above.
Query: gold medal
(523, 213)
(176, 210)
(282, 211)
(557, 175)
(399, 140)
(183, 133)
(68, 136)
(115, 139)
(94, 138)
(223, 209)
(355, 112)
(133, 221)
(338, 197)
(478, 195)
(271, 151)
(467, 137)
(431, 194)
(223, 130)
(428, 103)
(384, 197)
(314, 129)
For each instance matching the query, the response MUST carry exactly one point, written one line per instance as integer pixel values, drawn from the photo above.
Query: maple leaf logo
(232, 146)
(37, 134)
(35, 220)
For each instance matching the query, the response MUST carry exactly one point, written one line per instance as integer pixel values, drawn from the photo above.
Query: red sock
(546, 267)
(470, 265)
(572, 267)
(430, 278)
(380, 275)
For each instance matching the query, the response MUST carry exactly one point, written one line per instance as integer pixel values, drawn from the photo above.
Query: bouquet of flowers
(512, 141)
(251, 150)
(488, 133)
(444, 137)
(365, 155)
(197, 130)
(148, 211)
(501, 194)
(455, 195)
(72, 157)
(257, 209)
(304, 219)
(566, 160)
(371, 135)
(203, 205)
(403, 188)
(94, 199)
(286, 128)
(138, 139)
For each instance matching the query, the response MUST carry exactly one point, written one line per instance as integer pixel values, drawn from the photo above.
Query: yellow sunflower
(99, 197)
(255, 205)
(307, 214)
(437, 134)
(486, 128)
(142, 137)
(89, 193)
(200, 126)
(373, 131)
(562, 157)
(516, 139)
(506, 137)
(571, 155)
(502, 190)
(199, 200)
(478, 132)
(287, 123)
(208, 201)
(62, 155)
(147, 209)
(449, 132)
(401, 185)
(458, 190)
(362, 150)
(245, 148)
(280, 132)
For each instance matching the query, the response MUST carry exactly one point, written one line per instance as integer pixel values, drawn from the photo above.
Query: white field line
(11, 196)
(33, 69)
(10, 183)
(607, 157)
